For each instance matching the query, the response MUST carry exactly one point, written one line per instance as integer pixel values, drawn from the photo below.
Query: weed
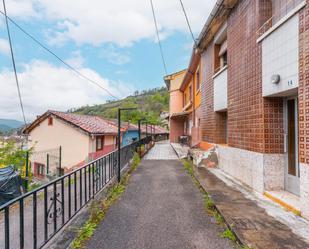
(209, 203)
(218, 217)
(98, 209)
(245, 247)
(229, 235)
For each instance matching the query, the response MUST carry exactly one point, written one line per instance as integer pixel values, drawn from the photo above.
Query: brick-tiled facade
(257, 123)
(212, 123)
(303, 91)
(254, 123)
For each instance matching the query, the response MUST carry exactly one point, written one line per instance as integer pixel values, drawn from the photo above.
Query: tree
(10, 154)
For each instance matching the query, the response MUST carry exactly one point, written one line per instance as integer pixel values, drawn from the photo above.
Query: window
(50, 121)
(223, 60)
(220, 55)
(184, 99)
(40, 169)
(198, 80)
(99, 143)
(190, 92)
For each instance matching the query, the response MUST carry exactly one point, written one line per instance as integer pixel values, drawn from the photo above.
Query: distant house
(130, 134)
(81, 137)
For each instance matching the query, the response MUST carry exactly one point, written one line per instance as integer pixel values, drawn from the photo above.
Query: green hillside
(7, 125)
(150, 104)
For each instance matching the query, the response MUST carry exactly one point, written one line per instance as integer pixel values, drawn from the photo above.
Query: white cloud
(76, 60)
(45, 86)
(4, 46)
(121, 22)
(113, 56)
(23, 9)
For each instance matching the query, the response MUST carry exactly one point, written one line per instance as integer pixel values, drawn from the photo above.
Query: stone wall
(260, 172)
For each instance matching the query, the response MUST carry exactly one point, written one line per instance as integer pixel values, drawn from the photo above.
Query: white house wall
(280, 56)
(220, 91)
(75, 144)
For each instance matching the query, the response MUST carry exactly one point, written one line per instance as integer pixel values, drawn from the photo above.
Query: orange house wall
(176, 101)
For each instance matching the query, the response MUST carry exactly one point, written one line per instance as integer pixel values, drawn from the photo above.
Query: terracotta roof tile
(90, 124)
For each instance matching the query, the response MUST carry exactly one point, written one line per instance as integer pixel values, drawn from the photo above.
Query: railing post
(119, 146)
(60, 159)
(47, 164)
(27, 171)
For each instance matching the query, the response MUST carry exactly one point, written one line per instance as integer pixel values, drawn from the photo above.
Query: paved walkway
(161, 208)
(161, 151)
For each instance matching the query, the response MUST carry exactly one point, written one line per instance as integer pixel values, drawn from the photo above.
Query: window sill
(220, 71)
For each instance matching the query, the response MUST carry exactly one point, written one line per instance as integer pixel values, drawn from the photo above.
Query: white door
(291, 146)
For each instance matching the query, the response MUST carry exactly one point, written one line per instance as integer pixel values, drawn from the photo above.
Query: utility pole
(139, 130)
(119, 140)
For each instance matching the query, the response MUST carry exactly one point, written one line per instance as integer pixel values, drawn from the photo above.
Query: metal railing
(31, 220)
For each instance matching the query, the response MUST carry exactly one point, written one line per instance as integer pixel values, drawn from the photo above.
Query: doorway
(291, 146)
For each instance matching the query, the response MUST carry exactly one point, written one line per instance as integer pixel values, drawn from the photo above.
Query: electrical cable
(58, 57)
(188, 23)
(13, 62)
(158, 36)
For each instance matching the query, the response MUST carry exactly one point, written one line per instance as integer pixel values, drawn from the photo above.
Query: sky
(111, 42)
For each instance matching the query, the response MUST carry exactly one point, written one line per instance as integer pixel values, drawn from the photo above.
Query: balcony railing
(31, 220)
(284, 10)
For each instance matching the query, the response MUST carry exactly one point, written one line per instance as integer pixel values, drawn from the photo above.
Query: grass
(208, 202)
(99, 208)
(229, 235)
(210, 205)
(33, 186)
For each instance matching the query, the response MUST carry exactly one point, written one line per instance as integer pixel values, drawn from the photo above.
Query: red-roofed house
(82, 138)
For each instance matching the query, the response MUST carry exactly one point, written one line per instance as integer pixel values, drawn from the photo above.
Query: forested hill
(150, 104)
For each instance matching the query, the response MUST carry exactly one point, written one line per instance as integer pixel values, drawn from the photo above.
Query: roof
(217, 17)
(125, 125)
(168, 78)
(93, 125)
(193, 64)
(155, 129)
(214, 22)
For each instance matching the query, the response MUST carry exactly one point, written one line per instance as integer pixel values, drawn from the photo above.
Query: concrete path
(161, 151)
(161, 208)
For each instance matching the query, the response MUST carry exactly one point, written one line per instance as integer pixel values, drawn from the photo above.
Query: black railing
(32, 219)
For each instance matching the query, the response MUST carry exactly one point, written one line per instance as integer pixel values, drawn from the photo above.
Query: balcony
(220, 90)
(280, 16)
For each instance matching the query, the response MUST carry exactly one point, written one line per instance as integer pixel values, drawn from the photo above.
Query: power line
(13, 62)
(56, 56)
(188, 23)
(158, 36)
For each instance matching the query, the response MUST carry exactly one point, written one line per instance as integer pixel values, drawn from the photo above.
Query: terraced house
(251, 69)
